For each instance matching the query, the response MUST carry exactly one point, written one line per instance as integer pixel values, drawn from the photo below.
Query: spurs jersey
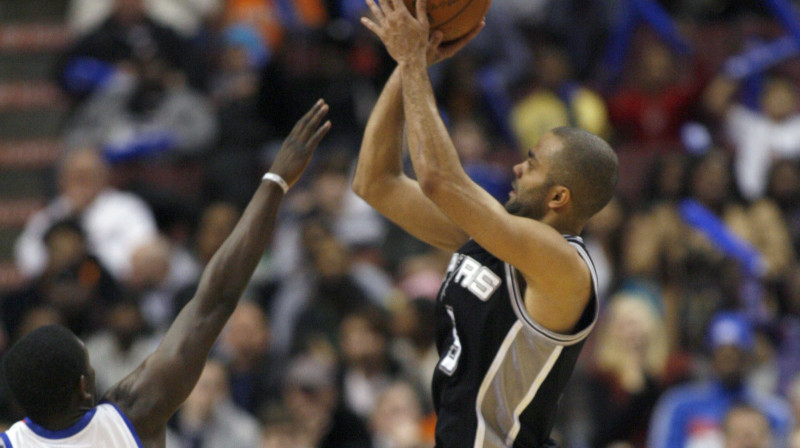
(104, 426)
(500, 374)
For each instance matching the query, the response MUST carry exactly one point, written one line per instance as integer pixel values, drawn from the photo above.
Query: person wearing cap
(693, 415)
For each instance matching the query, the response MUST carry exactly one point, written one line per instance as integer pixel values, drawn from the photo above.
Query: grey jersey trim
(518, 302)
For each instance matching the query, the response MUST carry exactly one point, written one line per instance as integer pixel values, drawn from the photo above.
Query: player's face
(531, 188)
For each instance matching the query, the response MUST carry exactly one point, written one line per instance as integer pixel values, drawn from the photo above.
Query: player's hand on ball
(404, 36)
(299, 145)
(438, 51)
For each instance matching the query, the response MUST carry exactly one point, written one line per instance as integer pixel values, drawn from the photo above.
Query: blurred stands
(32, 35)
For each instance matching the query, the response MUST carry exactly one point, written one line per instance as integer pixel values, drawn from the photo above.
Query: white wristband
(272, 177)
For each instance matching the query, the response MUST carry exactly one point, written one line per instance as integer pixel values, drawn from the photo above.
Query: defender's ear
(84, 388)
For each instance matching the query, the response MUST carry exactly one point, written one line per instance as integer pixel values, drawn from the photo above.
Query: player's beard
(531, 203)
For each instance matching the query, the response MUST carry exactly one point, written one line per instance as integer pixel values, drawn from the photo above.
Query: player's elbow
(430, 182)
(360, 185)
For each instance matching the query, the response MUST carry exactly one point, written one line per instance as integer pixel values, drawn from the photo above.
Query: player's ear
(84, 388)
(559, 197)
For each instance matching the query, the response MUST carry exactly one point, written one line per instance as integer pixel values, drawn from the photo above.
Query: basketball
(454, 18)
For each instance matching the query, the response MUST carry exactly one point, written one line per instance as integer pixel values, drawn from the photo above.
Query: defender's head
(48, 373)
(568, 176)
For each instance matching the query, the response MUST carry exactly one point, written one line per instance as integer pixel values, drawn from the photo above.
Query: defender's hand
(299, 145)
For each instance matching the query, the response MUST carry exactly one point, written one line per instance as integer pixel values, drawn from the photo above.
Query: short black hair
(43, 370)
(588, 166)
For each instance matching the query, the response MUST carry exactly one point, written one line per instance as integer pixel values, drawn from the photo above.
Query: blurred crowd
(177, 106)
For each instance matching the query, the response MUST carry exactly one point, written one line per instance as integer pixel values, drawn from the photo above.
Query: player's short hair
(43, 370)
(588, 166)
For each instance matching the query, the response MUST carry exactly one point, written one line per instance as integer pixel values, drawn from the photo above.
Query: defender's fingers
(307, 117)
(321, 131)
(313, 123)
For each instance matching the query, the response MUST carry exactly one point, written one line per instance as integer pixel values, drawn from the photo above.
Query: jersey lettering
(449, 362)
(484, 284)
(477, 279)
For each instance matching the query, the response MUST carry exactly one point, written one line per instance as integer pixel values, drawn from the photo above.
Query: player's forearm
(380, 159)
(432, 152)
(230, 269)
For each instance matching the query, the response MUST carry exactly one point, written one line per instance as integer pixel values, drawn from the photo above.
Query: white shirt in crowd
(116, 223)
(759, 141)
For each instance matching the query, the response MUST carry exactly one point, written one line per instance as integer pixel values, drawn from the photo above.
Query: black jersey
(500, 374)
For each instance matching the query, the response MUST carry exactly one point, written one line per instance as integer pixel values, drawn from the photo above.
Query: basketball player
(519, 297)
(49, 373)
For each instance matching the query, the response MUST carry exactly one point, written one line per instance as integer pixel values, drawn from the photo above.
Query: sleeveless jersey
(500, 374)
(104, 426)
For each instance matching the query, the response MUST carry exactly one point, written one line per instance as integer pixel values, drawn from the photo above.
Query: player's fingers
(376, 11)
(312, 124)
(387, 6)
(372, 26)
(422, 11)
(435, 39)
(321, 131)
(303, 121)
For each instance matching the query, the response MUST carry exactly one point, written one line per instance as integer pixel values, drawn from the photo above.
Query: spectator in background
(216, 222)
(74, 284)
(783, 188)
(747, 427)
(556, 99)
(315, 410)
(128, 34)
(271, 19)
(312, 63)
(309, 305)
(254, 372)
(603, 236)
(367, 367)
(187, 17)
(159, 271)
(473, 146)
(396, 421)
(650, 110)
(208, 418)
(242, 128)
(695, 413)
(693, 258)
(115, 222)
(759, 137)
(122, 344)
(631, 369)
(148, 110)
(413, 342)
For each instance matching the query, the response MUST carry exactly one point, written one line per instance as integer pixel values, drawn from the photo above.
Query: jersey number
(449, 363)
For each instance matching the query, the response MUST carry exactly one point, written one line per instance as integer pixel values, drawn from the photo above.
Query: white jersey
(104, 426)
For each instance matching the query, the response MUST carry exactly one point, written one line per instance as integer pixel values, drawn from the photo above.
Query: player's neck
(564, 228)
(63, 421)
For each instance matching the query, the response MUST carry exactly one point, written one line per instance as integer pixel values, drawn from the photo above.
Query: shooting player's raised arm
(379, 177)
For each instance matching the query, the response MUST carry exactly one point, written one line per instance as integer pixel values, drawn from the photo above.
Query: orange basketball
(454, 18)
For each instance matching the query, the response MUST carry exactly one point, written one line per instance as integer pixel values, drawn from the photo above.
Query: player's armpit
(402, 201)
